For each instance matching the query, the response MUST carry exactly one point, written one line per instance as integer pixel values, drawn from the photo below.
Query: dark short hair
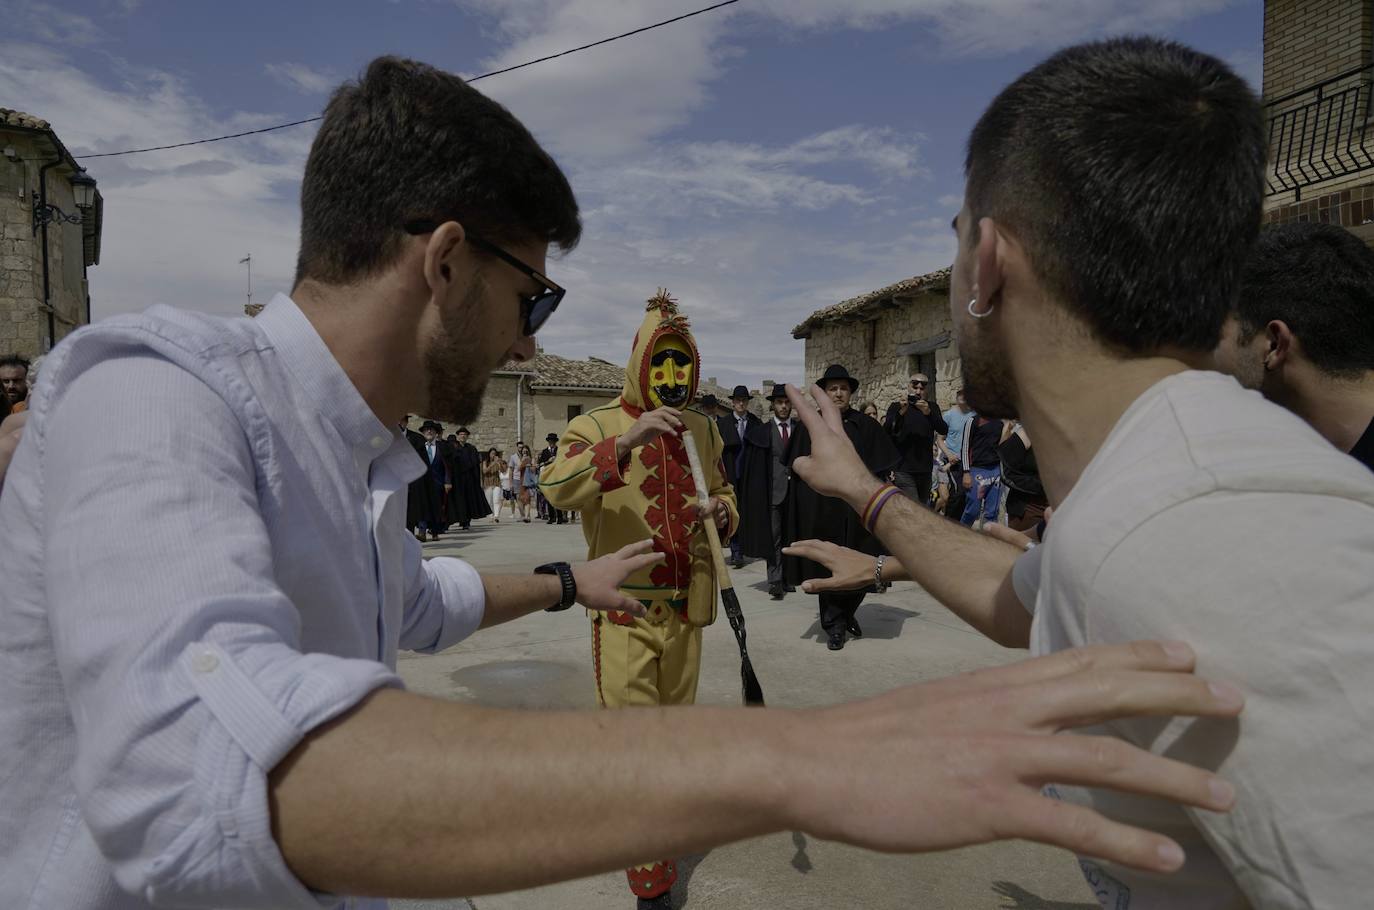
(1319, 279)
(1131, 169)
(14, 360)
(408, 141)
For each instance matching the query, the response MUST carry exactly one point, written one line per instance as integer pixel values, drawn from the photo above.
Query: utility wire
(282, 126)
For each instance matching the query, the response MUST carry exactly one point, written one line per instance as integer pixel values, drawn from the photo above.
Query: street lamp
(45, 213)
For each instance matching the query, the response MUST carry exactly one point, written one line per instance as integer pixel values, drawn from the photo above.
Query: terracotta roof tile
(553, 372)
(19, 118)
(857, 306)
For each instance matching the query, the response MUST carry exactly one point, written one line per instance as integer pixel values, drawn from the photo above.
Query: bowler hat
(709, 401)
(778, 391)
(462, 430)
(431, 425)
(835, 371)
(741, 392)
(551, 437)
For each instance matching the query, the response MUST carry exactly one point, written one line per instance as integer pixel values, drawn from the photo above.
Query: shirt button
(205, 662)
(378, 442)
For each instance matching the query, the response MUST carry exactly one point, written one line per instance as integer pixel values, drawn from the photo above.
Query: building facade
(49, 236)
(1318, 75)
(882, 337)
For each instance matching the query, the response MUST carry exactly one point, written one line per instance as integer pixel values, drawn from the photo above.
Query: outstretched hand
(850, 570)
(963, 759)
(599, 581)
(833, 468)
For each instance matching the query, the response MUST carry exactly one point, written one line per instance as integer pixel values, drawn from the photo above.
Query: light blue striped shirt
(204, 557)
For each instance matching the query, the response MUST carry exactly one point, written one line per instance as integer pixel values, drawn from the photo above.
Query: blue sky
(761, 161)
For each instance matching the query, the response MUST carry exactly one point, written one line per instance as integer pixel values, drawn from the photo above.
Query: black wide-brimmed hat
(709, 401)
(431, 425)
(551, 437)
(835, 371)
(741, 392)
(778, 391)
(461, 430)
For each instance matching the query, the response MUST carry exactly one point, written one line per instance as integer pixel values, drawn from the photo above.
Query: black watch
(565, 578)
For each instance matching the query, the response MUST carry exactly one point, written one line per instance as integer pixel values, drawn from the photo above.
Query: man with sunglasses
(207, 713)
(913, 425)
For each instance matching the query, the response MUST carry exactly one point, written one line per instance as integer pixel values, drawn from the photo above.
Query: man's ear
(990, 273)
(444, 248)
(1282, 344)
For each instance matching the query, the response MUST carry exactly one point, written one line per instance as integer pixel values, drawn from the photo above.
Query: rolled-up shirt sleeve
(444, 601)
(179, 654)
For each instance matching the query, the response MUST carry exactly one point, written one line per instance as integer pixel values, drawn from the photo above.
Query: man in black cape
(466, 499)
(810, 516)
(753, 487)
(762, 489)
(734, 425)
(547, 456)
(425, 496)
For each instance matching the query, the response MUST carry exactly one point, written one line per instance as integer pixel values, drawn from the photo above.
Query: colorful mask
(670, 372)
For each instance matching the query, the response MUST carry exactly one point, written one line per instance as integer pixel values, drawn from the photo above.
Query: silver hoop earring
(976, 315)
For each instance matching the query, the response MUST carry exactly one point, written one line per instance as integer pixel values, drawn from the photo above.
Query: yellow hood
(661, 318)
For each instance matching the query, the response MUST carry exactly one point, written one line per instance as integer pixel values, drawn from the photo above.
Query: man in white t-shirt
(1098, 258)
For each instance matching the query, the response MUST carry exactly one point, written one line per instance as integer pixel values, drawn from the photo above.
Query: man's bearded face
(670, 372)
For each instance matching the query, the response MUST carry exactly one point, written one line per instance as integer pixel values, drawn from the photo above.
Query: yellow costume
(650, 494)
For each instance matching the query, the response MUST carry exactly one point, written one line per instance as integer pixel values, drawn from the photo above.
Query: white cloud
(719, 177)
(301, 78)
(44, 22)
(995, 26)
(176, 222)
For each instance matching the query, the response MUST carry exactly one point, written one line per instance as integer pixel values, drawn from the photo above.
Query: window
(500, 412)
(574, 410)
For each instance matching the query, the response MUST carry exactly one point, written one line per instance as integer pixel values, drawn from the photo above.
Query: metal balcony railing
(1320, 133)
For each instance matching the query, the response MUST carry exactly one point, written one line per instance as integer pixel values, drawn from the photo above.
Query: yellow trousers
(641, 663)
(645, 663)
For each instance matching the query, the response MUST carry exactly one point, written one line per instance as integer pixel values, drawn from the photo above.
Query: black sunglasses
(535, 309)
(916, 382)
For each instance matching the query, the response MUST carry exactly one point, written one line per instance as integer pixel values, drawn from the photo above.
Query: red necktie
(783, 428)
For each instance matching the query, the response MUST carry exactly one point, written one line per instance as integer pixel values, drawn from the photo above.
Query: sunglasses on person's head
(535, 309)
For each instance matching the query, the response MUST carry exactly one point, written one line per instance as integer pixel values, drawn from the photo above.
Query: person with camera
(913, 426)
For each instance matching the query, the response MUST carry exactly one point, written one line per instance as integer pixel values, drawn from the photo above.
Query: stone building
(50, 221)
(1318, 73)
(526, 401)
(882, 337)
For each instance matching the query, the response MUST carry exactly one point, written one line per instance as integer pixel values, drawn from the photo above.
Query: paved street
(543, 662)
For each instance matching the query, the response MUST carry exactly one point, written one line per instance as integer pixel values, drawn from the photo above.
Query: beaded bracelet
(875, 506)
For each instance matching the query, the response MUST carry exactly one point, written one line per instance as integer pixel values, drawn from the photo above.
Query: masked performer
(625, 468)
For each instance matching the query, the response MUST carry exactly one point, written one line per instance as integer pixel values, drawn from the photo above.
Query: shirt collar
(304, 353)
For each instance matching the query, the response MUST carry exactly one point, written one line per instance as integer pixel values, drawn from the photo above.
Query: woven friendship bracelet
(875, 509)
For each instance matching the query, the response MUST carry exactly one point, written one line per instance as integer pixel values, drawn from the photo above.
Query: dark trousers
(838, 609)
(916, 487)
(775, 561)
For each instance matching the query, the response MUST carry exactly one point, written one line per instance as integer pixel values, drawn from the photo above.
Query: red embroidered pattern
(671, 495)
(604, 466)
(657, 879)
(575, 448)
(620, 617)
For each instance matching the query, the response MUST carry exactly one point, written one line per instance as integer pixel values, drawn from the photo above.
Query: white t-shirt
(1212, 516)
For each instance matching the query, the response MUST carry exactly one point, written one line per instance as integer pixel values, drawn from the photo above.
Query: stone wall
(869, 351)
(551, 410)
(23, 322)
